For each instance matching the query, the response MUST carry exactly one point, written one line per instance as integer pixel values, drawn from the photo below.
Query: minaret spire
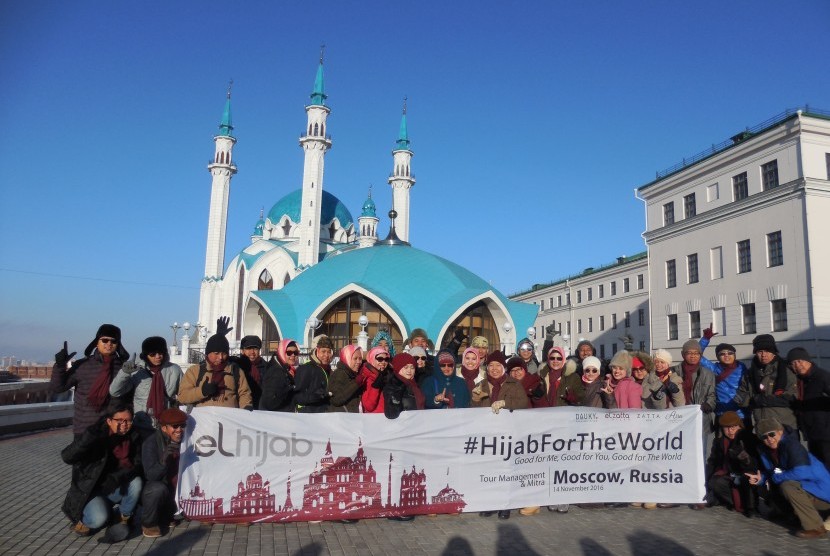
(226, 127)
(368, 222)
(318, 95)
(401, 178)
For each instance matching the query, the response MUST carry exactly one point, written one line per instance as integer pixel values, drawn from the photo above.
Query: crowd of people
(766, 424)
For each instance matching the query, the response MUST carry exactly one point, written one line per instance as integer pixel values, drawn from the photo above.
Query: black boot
(504, 514)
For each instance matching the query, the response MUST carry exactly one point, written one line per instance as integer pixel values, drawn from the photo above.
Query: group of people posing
(784, 400)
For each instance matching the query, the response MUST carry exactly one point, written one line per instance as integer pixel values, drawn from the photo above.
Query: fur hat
(251, 342)
(420, 333)
(586, 343)
(730, 419)
(402, 360)
(107, 331)
(644, 358)
(217, 343)
(691, 345)
(764, 342)
(663, 355)
(724, 347)
(765, 426)
(172, 416)
(154, 344)
(480, 342)
(514, 362)
(798, 354)
(498, 357)
(621, 359)
(592, 362)
(323, 341)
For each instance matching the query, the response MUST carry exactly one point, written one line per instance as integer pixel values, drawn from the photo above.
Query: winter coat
(311, 387)
(738, 456)
(770, 390)
(535, 390)
(345, 391)
(455, 386)
(93, 463)
(246, 366)
(655, 396)
(153, 457)
(237, 393)
(703, 392)
(277, 388)
(569, 383)
(813, 404)
(593, 394)
(81, 376)
(139, 384)
(727, 389)
(511, 392)
(796, 464)
(627, 395)
(371, 400)
(397, 397)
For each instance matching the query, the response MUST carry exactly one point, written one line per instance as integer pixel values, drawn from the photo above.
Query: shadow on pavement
(458, 546)
(180, 544)
(593, 548)
(644, 543)
(511, 541)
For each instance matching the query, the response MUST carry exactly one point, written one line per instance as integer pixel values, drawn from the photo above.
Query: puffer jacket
(345, 391)
(729, 396)
(139, 383)
(796, 464)
(770, 390)
(454, 386)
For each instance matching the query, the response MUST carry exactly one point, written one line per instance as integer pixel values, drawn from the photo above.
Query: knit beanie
(217, 343)
(691, 345)
(798, 354)
(592, 362)
(514, 362)
(663, 355)
(621, 359)
(496, 356)
(401, 360)
(444, 357)
(724, 347)
(417, 351)
(764, 342)
(480, 342)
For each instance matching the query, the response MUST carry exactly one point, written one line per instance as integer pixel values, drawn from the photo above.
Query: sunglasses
(381, 359)
(178, 427)
(420, 358)
(590, 371)
(554, 359)
(767, 435)
(154, 354)
(638, 368)
(290, 352)
(108, 341)
(447, 365)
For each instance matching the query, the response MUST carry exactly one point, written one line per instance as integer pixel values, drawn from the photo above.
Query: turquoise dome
(369, 208)
(290, 205)
(260, 225)
(422, 289)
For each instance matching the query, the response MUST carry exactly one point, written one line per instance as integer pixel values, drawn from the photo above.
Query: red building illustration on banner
(338, 488)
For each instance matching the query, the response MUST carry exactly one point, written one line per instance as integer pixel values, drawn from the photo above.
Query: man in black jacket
(106, 470)
(812, 403)
(160, 454)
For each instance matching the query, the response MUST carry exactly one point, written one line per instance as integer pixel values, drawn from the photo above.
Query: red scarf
(554, 378)
(688, 380)
(218, 378)
(120, 446)
(155, 401)
(495, 386)
(469, 377)
(255, 371)
(726, 371)
(413, 387)
(100, 392)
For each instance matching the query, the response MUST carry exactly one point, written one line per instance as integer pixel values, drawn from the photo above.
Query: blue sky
(531, 123)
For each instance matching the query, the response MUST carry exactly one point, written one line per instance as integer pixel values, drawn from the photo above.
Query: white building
(607, 306)
(738, 236)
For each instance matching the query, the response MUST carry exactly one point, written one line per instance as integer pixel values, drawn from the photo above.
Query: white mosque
(311, 269)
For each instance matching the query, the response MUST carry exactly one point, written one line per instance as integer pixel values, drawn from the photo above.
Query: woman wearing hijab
(384, 340)
(621, 391)
(401, 392)
(471, 368)
(278, 380)
(374, 369)
(444, 389)
(346, 383)
(563, 383)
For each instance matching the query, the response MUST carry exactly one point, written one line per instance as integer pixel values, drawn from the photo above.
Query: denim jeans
(97, 510)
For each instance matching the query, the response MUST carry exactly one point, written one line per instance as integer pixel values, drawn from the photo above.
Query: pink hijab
(347, 352)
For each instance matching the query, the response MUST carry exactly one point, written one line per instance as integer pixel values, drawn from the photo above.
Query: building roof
(422, 289)
(290, 205)
(587, 272)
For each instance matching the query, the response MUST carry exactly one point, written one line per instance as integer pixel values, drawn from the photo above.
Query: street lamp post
(313, 324)
(507, 326)
(175, 326)
(362, 336)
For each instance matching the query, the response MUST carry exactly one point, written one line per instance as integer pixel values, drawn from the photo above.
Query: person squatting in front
(160, 456)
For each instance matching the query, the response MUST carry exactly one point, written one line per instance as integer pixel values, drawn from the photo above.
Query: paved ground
(34, 481)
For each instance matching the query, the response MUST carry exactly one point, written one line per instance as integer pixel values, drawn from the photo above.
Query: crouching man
(160, 454)
(796, 477)
(106, 470)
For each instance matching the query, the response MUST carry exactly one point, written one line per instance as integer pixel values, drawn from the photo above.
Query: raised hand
(129, 366)
(63, 357)
(708, 333)
(222, 326)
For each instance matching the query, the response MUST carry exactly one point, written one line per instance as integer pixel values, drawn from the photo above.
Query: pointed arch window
(309, 129)
(323, 130)
(265, 282)
(332, 230)
(316, 128)
(340, 322)
(286, 279)
(476, 320)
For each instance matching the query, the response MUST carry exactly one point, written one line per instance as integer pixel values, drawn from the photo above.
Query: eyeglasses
(638, 368)
(381, 359)
(590, 371)
(122, 421)
(178, 427)
(516, 370)
(726, 353)
(554, 359)
(447, 365)
(292, 352)
(420, 358)
(108, 341)
(768, 435)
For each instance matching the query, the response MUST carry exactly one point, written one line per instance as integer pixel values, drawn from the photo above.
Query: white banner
(262, 466)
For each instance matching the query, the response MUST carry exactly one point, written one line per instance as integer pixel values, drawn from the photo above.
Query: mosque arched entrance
(476, 320)
(340, 321)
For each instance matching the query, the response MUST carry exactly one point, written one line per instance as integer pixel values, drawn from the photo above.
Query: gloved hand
(550, 332)
(222, 326)
(459, 335)
(129, 366)
(671, 387)
(759, 400)
(379, 382)
(209, 389)
(478, 394)
(706, 408)
(172, 449)
(63, 357)
(708, 333)
(497, 406)
(658, 394)
(363, 376)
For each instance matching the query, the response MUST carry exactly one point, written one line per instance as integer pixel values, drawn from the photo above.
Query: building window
(779, 315)
(668, 213)
(579, 326)
(740, 190)
(640, 282)
(568, 327)
(601, 291)
(559, 301)
(579, 296)
(744, 257)
(642, 345)
(641, 317)
(769, 174)
(672, 327)
(551, 303)
(689, 206)
(775, 251)
(748, 317)
(671, 274)
(568, 300)
(691, 268)
(716, 262)
(626, 285)
(694, 324)
(602, 351)
(614, 288)
(602, 322)
(613, 320)
(590, 294)
(627, 319)
(542, 305)
(590, 324)
(712, 193)
(614, 348)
